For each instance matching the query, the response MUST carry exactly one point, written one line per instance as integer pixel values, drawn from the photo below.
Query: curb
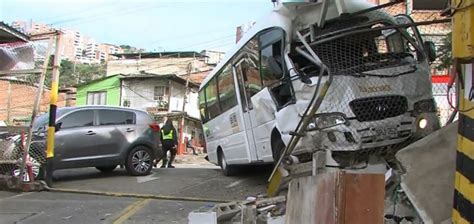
(9, 183)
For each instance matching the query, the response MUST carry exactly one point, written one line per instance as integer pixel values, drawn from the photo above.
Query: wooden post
(9, 102)
(36, 107)
(181, 145)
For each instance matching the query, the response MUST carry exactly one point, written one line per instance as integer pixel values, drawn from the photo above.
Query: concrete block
(430, 164)
(226, 211)
(202, 217)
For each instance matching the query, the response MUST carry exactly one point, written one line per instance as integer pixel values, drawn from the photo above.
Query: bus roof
(281, 17)
(274, 19)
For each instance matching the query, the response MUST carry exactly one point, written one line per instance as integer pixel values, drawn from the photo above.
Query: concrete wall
(17, 99)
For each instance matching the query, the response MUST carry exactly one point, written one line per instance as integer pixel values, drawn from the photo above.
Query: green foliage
(445, 53)
(130, 49)
(71, 74)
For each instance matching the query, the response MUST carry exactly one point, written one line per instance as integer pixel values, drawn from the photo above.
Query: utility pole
(182, 147)
(463, 55)
(52, 112)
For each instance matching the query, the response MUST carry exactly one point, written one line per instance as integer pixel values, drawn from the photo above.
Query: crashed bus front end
(380, 94)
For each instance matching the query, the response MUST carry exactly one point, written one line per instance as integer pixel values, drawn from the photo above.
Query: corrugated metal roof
(181, 80)
(8, 34)
(169, 54)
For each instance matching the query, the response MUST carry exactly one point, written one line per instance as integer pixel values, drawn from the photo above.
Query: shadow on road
(190, 182)
(86, 173)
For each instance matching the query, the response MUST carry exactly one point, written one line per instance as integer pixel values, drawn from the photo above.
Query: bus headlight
(422, 123)
(323, 121)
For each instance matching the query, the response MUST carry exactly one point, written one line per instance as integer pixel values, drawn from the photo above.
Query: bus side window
(272, 67)
(202, 106)
(213, 108)
(271, 61)
(249, 79)
(226, 87)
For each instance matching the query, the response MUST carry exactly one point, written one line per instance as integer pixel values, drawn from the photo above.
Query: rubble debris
(255, 210)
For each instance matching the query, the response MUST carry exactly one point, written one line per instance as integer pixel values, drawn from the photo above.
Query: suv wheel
(139, 161)
(106, 169)
(36, 169)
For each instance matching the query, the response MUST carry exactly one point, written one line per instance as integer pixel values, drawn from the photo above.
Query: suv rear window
(116, 117)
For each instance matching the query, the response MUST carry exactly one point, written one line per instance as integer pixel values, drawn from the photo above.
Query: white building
(163, 96)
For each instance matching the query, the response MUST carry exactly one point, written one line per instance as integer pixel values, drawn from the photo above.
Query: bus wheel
(277, 149)
(226, 169)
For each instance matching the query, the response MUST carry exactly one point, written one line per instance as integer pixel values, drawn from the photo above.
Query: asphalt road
(201, 183)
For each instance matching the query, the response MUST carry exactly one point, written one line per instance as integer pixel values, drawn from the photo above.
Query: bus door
(249, 83)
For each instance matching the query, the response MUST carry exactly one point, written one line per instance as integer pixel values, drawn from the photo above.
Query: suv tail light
(155, 127)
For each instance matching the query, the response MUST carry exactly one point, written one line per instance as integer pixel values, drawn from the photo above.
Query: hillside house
(158, 63)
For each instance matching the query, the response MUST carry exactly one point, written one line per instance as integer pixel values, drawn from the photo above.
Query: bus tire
(226, 169)
(277, 149)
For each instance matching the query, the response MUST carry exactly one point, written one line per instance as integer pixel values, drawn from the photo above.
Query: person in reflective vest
(169, 141)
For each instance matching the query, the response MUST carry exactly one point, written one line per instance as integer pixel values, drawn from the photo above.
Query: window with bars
(97, 98)
(159, 93)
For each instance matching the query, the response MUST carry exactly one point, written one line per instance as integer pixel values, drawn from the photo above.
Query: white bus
(379, 99)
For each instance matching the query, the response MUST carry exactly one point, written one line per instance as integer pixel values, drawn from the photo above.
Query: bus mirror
(430, 49)
(275, 67)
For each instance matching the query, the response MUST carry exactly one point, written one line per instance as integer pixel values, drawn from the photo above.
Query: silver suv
(102, 137)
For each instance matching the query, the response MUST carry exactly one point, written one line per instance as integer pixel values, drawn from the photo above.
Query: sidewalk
(193, 161)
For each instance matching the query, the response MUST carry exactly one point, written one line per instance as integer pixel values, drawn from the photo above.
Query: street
(134, 199)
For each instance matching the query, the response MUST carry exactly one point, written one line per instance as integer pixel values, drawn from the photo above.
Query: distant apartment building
(108, 50)
(30, 27)
(76, 46)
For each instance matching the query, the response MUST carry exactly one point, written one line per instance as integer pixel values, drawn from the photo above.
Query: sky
(155, 25)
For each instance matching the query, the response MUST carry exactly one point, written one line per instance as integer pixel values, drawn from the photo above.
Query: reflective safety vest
(169, 136)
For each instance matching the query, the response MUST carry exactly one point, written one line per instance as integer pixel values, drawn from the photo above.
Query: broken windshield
(363, 49)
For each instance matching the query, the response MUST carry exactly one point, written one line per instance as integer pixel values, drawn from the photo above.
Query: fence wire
(388, 90)
(18, 92)
(440, 35)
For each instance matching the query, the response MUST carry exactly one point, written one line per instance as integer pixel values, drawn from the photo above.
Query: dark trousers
(172, 149)
(191, 147)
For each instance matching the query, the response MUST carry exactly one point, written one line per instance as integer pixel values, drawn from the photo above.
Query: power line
(122, 12)
(200, 33)
(75, 12)
(206, 42)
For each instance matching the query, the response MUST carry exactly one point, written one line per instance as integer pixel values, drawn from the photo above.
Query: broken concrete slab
(430, 164)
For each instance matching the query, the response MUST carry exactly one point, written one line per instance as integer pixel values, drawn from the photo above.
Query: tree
(130, 49)
(126, 48)
(445, 53)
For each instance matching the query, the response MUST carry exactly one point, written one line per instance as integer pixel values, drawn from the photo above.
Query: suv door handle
(90, 133)
(130, 130)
